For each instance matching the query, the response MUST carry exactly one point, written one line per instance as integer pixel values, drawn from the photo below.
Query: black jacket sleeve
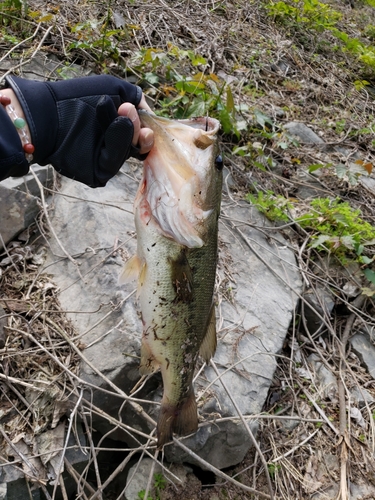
(12, 156)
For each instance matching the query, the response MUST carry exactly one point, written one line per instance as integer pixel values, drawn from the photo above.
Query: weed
(274, 207)
(339, 229)
(273, 469)
(196, 93)
(159, 484)
(350, 172)
(318, 17)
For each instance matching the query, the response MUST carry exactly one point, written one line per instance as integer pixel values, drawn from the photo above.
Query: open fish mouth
(176, 175)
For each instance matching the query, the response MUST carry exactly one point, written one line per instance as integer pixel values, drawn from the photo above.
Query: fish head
(182, 178)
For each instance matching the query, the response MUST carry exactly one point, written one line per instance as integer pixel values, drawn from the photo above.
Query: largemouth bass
(176, 216)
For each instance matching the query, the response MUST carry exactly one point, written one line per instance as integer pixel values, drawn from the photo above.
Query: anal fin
(208, 346)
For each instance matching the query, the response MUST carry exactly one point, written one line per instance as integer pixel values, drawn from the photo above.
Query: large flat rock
(258, 287)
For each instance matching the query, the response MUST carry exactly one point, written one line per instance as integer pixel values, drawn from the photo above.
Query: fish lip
(209, 125)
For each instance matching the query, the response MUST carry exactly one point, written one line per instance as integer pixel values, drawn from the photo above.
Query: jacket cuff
(40, 111)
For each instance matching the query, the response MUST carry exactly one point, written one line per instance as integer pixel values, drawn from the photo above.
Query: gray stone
(320, 302)
(303, 133)
(16, 487)
(18, 210)
(361, 396)
(259, 287)
(365, 350)
(27, 183)
(138, 476)
(44, 65)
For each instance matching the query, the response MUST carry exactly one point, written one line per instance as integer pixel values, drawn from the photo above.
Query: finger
(127, 109)
(143, 105)
(146, 140)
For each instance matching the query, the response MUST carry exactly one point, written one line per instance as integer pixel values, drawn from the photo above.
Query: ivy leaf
(152, 78)
(315, 166)
(320, 240)
(370, 275)
(262, 119)
(341, 170)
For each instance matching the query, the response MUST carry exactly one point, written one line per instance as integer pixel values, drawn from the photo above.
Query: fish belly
(176, 302)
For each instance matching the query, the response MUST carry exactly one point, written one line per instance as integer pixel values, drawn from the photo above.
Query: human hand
(80, 127)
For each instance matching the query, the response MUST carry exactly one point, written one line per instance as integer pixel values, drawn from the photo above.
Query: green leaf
(320, 240)
(341, 171)
(190, 87)
(370, 275)
(151, 78)
(348, 242)
(230, 101)
(262, 119)
(315, 166)
(260, 166)
(365, 260)
(198, 108)
(241, 151)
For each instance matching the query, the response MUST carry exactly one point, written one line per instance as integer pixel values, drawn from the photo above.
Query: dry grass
(307, 442)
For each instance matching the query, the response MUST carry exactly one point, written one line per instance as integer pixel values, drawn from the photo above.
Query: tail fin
(181, 419)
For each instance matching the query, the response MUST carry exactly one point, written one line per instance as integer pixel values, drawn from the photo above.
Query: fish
(176, 211)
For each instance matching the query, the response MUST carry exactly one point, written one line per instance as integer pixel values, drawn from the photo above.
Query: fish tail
(181, 419)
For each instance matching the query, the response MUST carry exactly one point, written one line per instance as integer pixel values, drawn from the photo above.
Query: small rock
(139, 473)
(319, 301)
(361, 396)
(18, 210)
(303, 133)
(28, 184)
(365, 350)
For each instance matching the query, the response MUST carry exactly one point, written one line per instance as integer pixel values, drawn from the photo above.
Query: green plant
(339, 229)
(273, 469)
(159, 484)
(196, 93)
(350, 172)
(274, 207)
(312, 13)
(318, 17)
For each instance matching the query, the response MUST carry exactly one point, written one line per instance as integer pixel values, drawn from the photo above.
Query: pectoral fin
(134, 269)
(208, 346)
(131, 270)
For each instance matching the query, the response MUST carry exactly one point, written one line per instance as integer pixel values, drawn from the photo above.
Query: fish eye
(219, 163)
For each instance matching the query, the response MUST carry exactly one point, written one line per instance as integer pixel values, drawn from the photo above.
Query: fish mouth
(205, 123)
